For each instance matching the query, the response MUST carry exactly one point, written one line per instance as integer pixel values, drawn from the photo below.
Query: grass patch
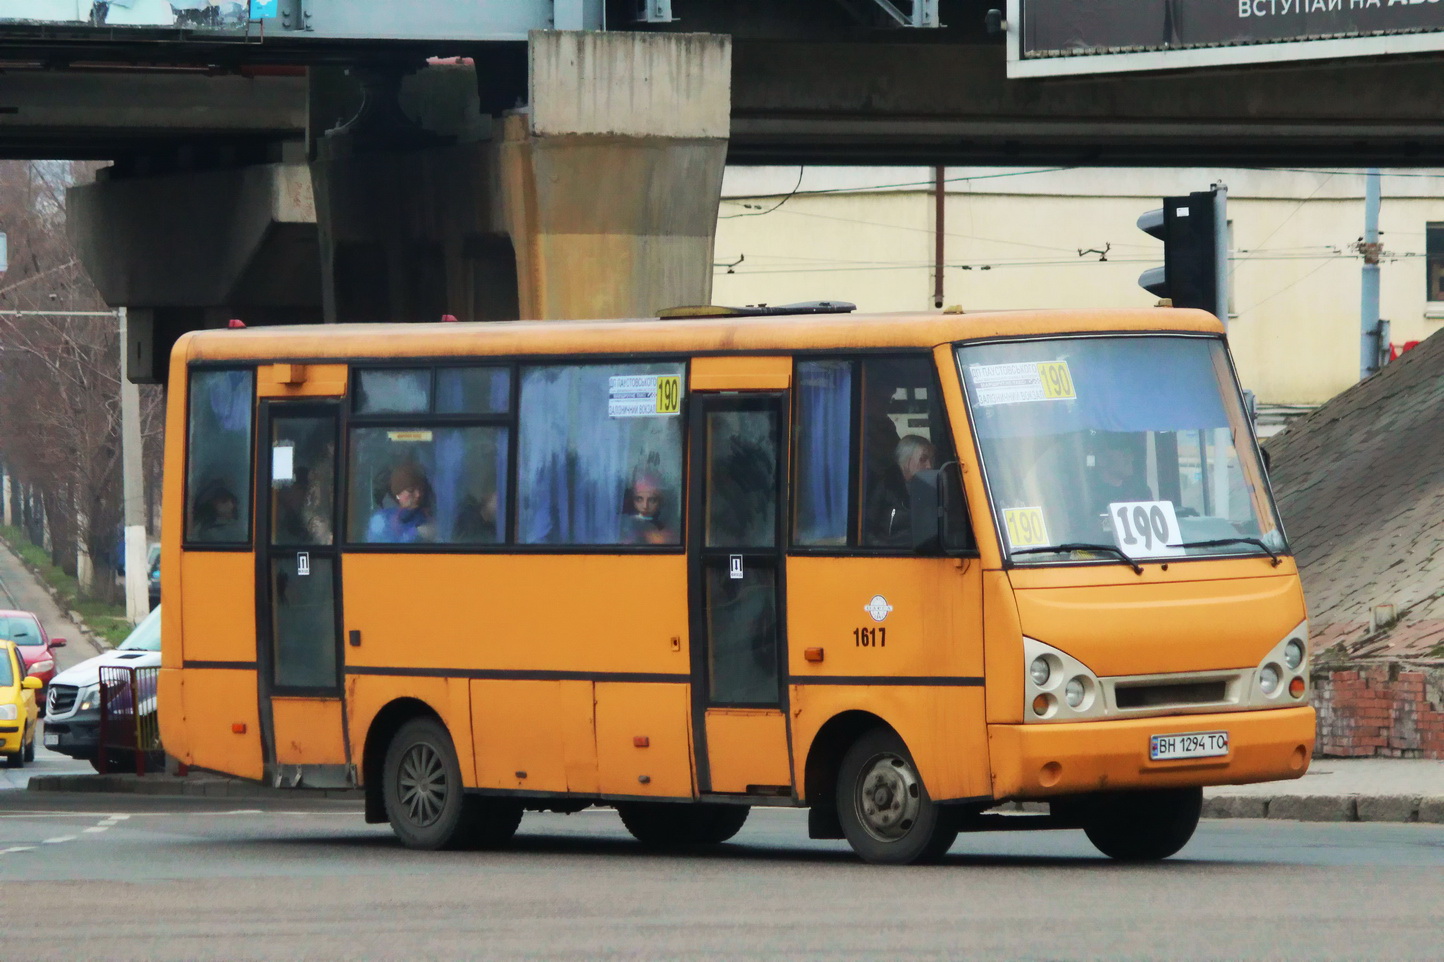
(106, 620)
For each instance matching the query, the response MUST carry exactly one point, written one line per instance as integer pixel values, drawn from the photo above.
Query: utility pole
(1369, 336)
(137, 576)
(1220, 251)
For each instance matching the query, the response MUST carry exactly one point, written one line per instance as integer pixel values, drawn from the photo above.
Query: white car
(72, 720)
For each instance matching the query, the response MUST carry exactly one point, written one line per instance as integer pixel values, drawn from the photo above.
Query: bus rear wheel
(886, 813)
(1143, 826)
(426, 802)
(670, 824)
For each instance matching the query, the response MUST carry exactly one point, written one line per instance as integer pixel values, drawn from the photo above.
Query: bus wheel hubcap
(423, 784)
(889, 797)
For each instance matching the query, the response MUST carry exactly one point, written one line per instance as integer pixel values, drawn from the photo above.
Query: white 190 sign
(1146, 529)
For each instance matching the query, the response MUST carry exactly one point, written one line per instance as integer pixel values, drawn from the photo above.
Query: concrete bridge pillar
(190, 250)
(598, 198)
(612, 177)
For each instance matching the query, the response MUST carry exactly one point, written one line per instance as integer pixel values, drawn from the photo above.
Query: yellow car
(18, 713)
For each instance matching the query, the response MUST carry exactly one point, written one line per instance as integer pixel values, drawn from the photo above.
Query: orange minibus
(893, 569)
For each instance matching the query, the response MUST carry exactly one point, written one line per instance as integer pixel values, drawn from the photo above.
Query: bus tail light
(1296, 687)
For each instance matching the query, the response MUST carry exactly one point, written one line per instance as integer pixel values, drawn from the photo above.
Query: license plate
(51, 739)
(1188, 745)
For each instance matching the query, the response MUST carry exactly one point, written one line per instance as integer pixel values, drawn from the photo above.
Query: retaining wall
(1391, 709)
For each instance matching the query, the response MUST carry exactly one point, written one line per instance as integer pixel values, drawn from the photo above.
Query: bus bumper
(1038, 761)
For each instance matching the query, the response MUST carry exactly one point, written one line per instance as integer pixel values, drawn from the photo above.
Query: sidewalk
(1334, 790)
(27, 593)
(1341, 790)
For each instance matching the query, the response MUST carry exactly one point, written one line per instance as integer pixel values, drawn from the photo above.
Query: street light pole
(137, 574)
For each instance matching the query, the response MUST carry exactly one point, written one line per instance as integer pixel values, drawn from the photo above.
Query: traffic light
(1192, 274)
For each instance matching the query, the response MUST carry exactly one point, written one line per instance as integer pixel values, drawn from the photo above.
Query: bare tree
(60, 374)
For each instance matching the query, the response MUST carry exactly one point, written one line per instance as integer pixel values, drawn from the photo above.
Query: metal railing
(128, 726)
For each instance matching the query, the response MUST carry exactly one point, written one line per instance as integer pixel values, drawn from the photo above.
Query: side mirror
(925, 501)
(57, 642)
(32, 683)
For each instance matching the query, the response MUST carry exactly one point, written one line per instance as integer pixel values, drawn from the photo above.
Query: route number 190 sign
(1146, 529)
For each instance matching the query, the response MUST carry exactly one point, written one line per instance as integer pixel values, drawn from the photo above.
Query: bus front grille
(1164, 695)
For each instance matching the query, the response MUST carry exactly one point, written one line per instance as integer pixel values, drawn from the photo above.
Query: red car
(33, 645)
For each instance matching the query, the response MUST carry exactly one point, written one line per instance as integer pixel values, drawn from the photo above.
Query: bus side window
(218, 475)
(824, 452)
(904, 433)
(599, 457)
(427, 485)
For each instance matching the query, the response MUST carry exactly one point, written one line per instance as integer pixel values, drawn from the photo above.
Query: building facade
(1029, 238)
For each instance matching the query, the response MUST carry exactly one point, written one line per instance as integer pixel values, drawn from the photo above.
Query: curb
(1328, 808)
(174, 785)
(1299, 808)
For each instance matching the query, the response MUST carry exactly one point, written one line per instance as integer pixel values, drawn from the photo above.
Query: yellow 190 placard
(669, 395)
(1057, 381)
(1025, 527)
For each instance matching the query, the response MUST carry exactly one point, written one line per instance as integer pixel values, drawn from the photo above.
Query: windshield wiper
(1220, 542)
(1111, 549)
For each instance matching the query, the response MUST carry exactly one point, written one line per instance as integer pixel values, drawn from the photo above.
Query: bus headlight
(1058, 687)
(1284, 668)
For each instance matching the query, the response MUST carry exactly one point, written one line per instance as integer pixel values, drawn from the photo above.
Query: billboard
(1060, 37)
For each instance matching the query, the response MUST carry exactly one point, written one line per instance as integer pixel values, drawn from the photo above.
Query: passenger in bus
(642, 513)
(407, 519)
(302, 510)
(1117, 475)
(216, 515)
(476, 520)
(889, 511)
(915, 453)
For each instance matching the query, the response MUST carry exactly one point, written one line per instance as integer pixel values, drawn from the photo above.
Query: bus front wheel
(426, 802)
(667, 824)
(886, 813)
(1143, 826)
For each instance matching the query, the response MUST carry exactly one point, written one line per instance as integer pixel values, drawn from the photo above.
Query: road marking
(47, 814)
(98, 828)
(58, 839)
(17, 848)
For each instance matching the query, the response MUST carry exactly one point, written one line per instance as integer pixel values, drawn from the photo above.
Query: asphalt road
(134, 877)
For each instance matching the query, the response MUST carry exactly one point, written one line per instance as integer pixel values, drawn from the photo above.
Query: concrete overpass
(336, 173)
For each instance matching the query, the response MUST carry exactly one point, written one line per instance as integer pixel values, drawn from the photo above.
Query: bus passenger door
(735, 569)
(298, 607)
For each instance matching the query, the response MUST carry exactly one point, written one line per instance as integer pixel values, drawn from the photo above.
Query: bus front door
(736, 566)
(297, 631)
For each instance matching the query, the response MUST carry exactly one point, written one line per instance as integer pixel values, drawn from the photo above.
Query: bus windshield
(1117, 448)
